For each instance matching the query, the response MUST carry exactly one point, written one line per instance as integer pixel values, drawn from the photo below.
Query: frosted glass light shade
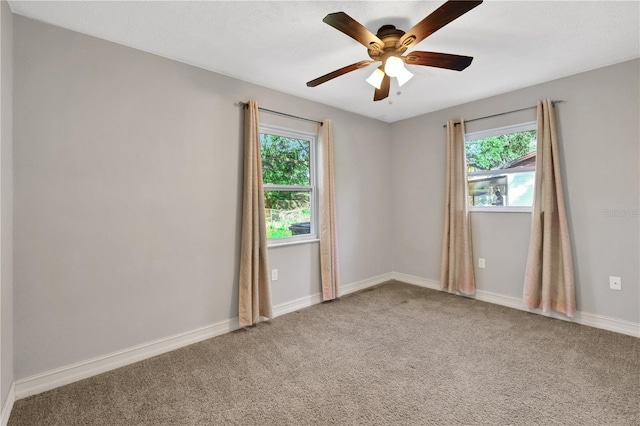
(393, 66)
(403, 76)
(375, 79)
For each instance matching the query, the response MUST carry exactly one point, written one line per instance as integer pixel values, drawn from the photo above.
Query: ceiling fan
(388, 45)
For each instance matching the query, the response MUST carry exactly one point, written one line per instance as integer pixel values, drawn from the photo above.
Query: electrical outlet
(615, 283)
(481, 263)
(274, 275)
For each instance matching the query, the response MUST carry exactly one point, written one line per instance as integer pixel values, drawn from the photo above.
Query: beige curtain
(329, 269)
(548, 280)
(456, 268)
(254, 293)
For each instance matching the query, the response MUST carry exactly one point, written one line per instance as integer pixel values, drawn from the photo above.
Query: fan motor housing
(390, 36)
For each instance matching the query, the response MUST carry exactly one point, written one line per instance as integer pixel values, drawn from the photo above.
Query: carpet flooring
(394, 354)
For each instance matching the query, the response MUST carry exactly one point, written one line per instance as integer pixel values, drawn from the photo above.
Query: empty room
(319, 212)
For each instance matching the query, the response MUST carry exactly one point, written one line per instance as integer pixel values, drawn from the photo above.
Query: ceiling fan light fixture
(390, 43)
(393, 66)
(375, 79)
(403, 76)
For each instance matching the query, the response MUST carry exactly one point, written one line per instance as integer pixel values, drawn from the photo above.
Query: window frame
(312, 187)
(498, 131)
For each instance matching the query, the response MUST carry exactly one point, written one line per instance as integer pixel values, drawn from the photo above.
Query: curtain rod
(244, 105)
(505, 113)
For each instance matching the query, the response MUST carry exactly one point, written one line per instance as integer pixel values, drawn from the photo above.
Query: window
(288, 175)
(501, 168)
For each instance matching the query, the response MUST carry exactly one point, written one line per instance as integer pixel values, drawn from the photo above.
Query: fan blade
(383, 91)
(345, 23)
(338, 73)
(437, 19)
(438, 60)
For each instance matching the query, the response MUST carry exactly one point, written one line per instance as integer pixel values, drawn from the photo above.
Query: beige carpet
(393, 354)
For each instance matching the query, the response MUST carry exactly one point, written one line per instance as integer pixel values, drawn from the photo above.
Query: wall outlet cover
(615, 283)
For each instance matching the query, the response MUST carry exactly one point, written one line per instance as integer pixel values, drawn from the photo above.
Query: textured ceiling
(284, 44)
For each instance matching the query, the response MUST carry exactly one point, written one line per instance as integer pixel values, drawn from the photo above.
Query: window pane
(288, 213)
(502, 152)
(511, 189)
(488, 190)
(521, 188)
(285, 161)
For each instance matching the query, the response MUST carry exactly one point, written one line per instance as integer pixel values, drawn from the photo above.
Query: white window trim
(311, 137)
(499, 209)
(275, 242)
(502, 171)
(497, 131)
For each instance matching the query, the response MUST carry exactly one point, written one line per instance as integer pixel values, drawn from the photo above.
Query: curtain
(548, 280)
(329, 269)
(456, 268)
(254, 293)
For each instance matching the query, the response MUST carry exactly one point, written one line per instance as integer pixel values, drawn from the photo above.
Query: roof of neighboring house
(524, 161)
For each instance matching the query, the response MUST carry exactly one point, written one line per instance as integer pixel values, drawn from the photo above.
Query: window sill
(291, 243)
(507, 209)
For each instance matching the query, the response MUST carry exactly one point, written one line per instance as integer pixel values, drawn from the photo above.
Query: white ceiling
(284, 44)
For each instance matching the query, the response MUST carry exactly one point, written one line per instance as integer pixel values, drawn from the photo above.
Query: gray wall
(599, 133)
(6, 200)
(127, 197)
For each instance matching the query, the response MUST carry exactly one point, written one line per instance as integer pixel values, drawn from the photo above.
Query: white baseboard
(296, 305)
(584, 318)
(7, 406)
(361, 285)
(68, 374)
(305, 302)
(81, 370)
(609, 323)
(71, 373)
(411, 279)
